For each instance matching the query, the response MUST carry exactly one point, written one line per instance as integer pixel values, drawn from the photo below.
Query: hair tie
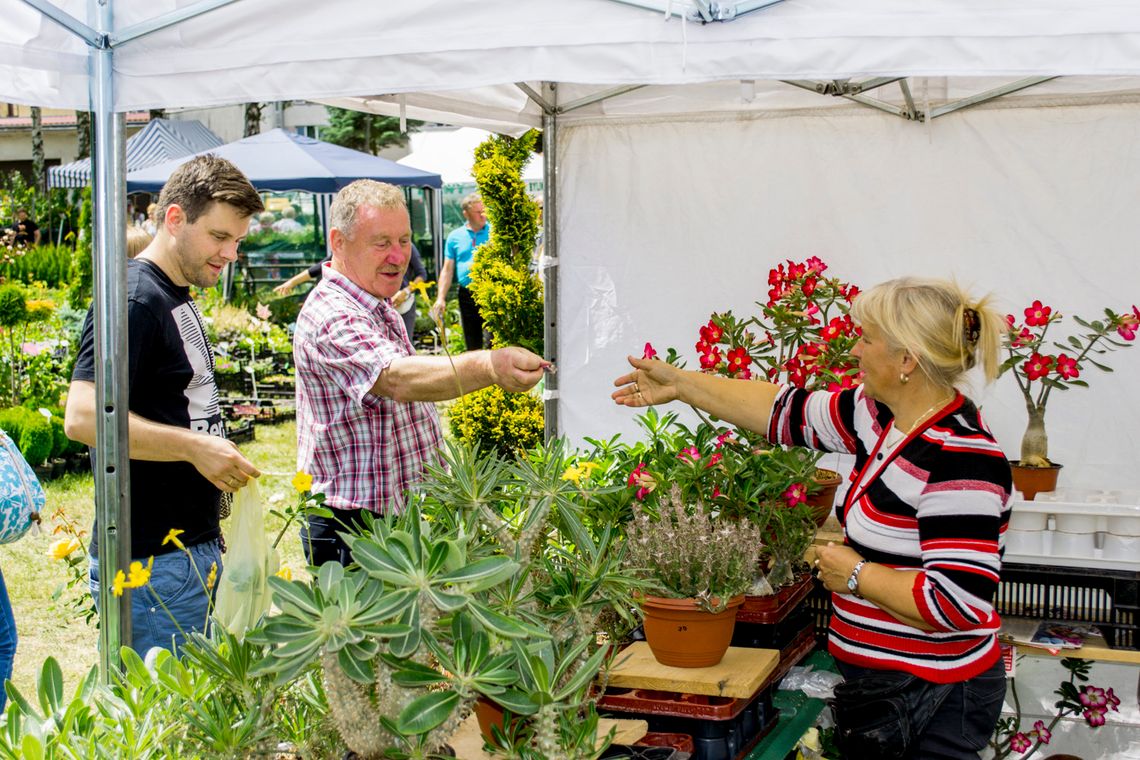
(971, 326)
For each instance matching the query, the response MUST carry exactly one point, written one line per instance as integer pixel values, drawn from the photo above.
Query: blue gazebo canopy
(279, 160)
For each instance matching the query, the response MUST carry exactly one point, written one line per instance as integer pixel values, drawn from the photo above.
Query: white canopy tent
(683, 160)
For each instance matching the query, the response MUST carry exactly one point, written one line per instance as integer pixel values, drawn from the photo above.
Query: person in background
(262, 223)
(913, 583)
(288, 221)
(459, 255)
(137, 241)
(180, 460)
(27, 232)
(8, 640)
(151, 223)
(367, 426)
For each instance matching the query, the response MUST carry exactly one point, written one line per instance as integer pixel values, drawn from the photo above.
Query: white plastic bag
(243, 590)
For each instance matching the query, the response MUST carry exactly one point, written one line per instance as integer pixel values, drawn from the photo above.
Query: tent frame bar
(703, 11)
(158, 23)
(843, 88)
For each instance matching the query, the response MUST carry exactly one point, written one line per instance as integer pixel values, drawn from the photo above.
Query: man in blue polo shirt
(459, 255)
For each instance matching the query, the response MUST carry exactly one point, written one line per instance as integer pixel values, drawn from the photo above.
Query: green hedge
(31, 431)
(49, 264)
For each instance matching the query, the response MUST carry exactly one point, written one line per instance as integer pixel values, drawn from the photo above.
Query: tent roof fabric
(160, 140)
(232, 55)
(281, 160)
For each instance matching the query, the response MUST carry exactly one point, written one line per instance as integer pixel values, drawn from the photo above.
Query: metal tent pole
(112, 474)
(550, 255)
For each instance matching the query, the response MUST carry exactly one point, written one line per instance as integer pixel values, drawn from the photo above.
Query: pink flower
(263, 311)
(1037, 367)
(1127, 330)
(1093, 696)
(716, 493)
(1067, 367)
(649, 352)
(635, 476)
(810, 313)
(711, 359)
(1024, 338)
(1094, 716)
(1019, 742)
(711, 332)
(1113, 700)
(815, 264)
(796, 494)
(1010, 321)
(690, 453)
(723, 438)
(1037, 315)
(644, 480)
(1043, 734)
(714, 459)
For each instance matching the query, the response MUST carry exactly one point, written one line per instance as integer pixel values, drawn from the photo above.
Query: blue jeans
(182, 591)
(7, 640)
(961, 728)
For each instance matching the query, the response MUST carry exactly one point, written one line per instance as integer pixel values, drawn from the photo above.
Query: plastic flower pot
(1034, 480)
(682, 635)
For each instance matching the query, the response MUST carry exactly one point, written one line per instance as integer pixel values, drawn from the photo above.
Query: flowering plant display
(727, 473)
(1038, 372)
(687, 553)
(802, 336)
(1090, 702)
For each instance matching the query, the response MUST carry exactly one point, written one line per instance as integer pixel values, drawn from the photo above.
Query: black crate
(1108, 598)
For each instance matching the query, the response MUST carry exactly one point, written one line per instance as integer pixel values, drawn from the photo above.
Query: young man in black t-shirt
(180, 459)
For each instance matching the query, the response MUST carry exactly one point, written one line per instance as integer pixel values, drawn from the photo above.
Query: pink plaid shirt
(362, 450)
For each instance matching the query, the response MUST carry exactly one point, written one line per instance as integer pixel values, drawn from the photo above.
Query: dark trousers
(471, 320)
(962, 726)
(319, 539)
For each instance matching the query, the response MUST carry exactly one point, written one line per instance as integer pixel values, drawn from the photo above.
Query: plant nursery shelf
(739, 675)
(468, 741)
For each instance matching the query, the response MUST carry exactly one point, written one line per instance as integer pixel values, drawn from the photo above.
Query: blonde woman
(913, 626)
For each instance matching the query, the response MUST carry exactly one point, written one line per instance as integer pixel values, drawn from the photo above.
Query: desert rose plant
(1038, 372)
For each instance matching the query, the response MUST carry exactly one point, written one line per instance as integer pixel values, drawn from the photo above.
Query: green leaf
(51, 686)
(358, 670)
(501, 624)
(379, 563)
(414, 675)
(517, 702)
(293, 593)
(437, 559)
(389, 606)
(426, 712)
(1098, 365)
(446, 602)
(482, 573)
(581, 679)
(329, 577)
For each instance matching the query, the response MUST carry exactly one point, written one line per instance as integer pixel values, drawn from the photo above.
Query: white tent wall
(663, 222)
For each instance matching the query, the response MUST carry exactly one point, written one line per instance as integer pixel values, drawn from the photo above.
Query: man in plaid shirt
(366, 420)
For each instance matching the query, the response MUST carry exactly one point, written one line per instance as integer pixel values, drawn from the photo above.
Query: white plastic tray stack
(1076, 528)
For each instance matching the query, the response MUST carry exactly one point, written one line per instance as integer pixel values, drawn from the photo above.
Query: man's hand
(437, 310)
(222, 464)
(515, 369)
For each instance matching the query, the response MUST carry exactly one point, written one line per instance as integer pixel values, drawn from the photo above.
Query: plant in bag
(243, 592)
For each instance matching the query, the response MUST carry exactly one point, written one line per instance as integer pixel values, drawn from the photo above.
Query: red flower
(1037, 367)
(776, 276)
(796, 494)
(723, 437)
(644, 480)
(711, 358)
(797, 373)
(711, 332)
(1024, 338)
(834, 329)
(1010, 321)
(716, 493)
(809, 286)
(845, 382)
(635, 476)
(1127, 330)
(714, 459)
(738, 359)
(849, 292)
(649, 352)
(703, 346)
(1037, 315)
(744, 374)
(1067, 367)
(795, 271)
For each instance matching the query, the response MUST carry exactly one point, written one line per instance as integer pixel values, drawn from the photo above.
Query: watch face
(852, 583)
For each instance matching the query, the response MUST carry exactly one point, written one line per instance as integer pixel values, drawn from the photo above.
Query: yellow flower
(119, 584)
(172, 537)
(212, 576)
(63, 547)
(575, 473)
(303, 482)
(422, 288)
(139, 575)
(285, 573)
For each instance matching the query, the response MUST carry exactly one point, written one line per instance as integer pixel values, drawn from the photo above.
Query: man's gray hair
(362, 192)
(469, 199)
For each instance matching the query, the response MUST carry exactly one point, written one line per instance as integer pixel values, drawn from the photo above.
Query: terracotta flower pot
(490, 714)
(681, 634)
(823, 501)
(1034, 480)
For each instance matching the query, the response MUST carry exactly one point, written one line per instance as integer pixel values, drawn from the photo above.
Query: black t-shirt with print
(171, 381)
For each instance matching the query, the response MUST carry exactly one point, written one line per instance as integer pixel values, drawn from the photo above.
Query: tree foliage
(366, 132)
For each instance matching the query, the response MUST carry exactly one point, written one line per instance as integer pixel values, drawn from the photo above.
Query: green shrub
(31, 431)
(12, 422)
(82, 266)
(59, 440)
(498, 421)
(13, 306)
(49, 264)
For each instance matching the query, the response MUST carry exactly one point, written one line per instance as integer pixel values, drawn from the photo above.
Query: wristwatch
(853, 580)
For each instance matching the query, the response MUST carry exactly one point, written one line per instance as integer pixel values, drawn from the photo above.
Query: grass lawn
(50, 628)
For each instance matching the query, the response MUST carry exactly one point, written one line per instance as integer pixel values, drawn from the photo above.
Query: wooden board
(468, 741)
(739, 675)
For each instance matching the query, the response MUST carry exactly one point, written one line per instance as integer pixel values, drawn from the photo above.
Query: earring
(904, 378)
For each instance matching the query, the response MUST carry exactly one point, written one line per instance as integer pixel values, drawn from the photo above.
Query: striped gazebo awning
(160, 140)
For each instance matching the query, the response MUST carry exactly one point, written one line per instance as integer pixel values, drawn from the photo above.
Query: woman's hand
(651, 382)
(834, 564)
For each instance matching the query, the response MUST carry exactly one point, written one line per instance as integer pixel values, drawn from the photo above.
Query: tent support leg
(112, 472)
(552, 427)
